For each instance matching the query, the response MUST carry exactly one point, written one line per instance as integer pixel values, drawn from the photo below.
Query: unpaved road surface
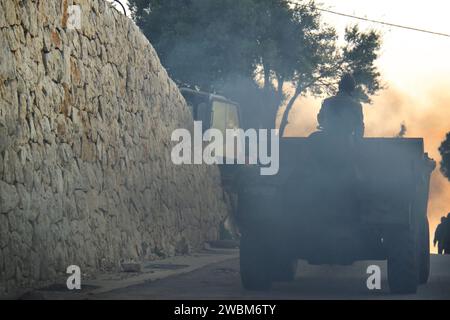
(222, 281)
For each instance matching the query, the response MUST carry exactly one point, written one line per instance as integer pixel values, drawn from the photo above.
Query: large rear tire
(403, 270)
(424, 251)
(254, 262)
(284, 269)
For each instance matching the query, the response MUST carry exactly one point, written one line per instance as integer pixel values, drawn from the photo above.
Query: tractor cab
(216, 112)
(213, 110)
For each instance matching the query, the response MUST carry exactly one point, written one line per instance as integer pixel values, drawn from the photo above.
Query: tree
(321, 61)
(250, 49)
(445, 153)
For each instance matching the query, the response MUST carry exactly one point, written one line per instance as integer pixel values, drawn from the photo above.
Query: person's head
(448, 215)
(443, 219)
(347, 83)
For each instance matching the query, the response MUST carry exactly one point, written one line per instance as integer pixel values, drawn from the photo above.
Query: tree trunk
(284, 120)
(280, 85)
(279, 96)
(266, 77)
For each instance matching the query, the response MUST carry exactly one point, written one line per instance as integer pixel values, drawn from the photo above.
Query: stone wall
(85, 123)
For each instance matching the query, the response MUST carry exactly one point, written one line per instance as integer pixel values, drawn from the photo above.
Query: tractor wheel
(403, 269)
(254, 262)
(424, 251)
(284, 270)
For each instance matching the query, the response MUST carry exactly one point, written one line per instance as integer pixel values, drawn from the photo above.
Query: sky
(409, 59)
(119, 7)
(415, 68)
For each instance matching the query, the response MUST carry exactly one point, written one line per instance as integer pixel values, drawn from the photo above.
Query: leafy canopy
(250, 49)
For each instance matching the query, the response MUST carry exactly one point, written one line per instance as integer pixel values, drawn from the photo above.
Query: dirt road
(222, 281)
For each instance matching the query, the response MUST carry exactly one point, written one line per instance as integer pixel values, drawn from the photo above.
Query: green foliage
(445, 153)
(359, 56)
